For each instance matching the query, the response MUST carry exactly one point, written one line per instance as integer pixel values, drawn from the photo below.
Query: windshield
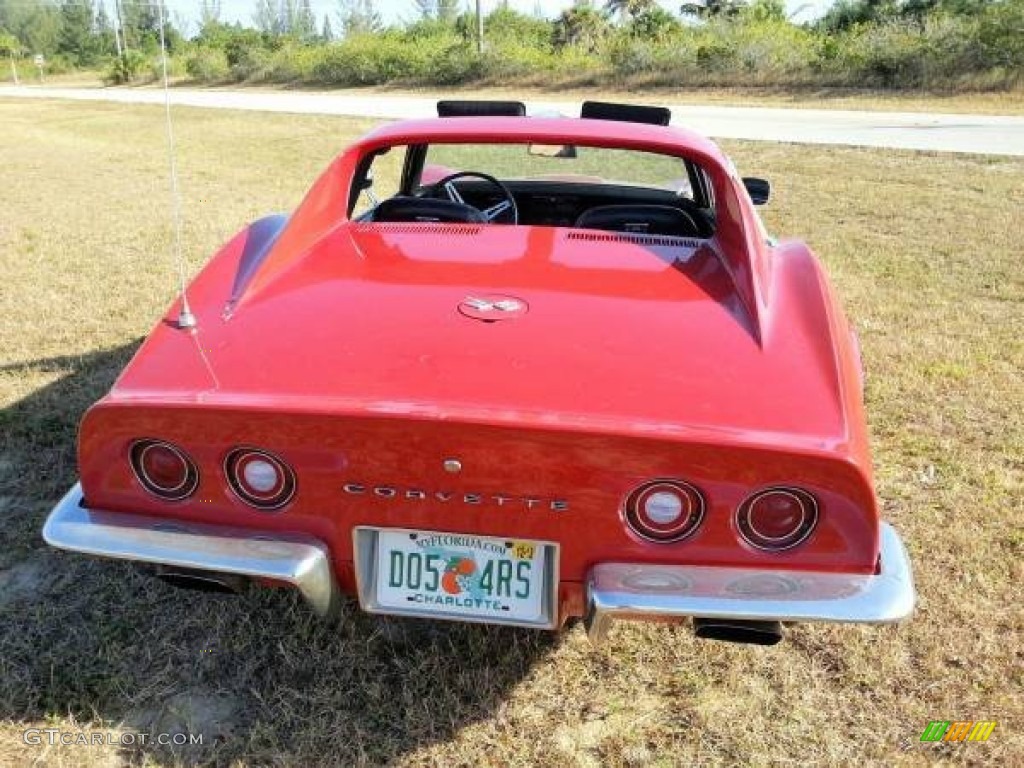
(568, 164)
(550, 185)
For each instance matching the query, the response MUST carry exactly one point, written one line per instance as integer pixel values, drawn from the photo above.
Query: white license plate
(462, 576)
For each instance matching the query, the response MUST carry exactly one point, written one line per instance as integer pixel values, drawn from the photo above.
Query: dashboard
(560, 204)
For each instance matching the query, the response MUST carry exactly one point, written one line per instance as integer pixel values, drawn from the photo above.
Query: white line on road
(983, 134)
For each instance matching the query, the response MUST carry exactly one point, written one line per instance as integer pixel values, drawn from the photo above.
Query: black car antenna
(185, 317)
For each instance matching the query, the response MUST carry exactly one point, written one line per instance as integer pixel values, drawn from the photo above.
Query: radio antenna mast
(185, 317)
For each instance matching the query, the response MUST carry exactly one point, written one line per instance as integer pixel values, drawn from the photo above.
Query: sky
(402, 10)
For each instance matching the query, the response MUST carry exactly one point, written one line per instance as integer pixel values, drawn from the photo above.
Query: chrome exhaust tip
(201, 581)
(738, 631)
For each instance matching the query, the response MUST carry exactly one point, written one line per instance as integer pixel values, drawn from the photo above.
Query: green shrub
(207, 65)
(772, 51)
(1001, 35)
(58, 64)
(234, 40)
(176, 67)
(126, 68)
(952, 49)
(505, 26)
(458, 63)
(936, 52)
(292, 64)
(655, 24)
(631, 56)
(577, 61)
(252, 64)
(889, 44)
(362, 60)
(737, 52)
(890, 54)
(717, 56)
(666, 59)
(510, 62)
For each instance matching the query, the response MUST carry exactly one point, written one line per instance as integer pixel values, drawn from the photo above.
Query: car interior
(475, 197)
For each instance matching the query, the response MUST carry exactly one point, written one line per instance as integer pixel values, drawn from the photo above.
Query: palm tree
(581, 25)
(630, 8)
(705, 9)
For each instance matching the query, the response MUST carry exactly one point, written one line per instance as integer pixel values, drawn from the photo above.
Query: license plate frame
(366, 554)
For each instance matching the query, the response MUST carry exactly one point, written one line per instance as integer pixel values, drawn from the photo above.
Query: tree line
(935, 44)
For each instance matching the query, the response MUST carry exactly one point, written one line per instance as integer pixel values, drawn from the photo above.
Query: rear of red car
(553, 521)
(513, 425)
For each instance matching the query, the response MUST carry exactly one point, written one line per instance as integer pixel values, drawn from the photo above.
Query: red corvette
(506, 369)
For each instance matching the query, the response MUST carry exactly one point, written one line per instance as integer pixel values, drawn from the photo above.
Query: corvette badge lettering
(416, 494)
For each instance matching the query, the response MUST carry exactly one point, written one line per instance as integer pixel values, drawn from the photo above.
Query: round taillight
(777, 518)
(259, 478)
(164, 469)
(664, 510)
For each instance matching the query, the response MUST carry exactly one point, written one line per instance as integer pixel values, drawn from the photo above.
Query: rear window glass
(583, 165)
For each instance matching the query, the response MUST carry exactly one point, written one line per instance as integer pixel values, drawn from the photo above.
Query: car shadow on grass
(257, 677)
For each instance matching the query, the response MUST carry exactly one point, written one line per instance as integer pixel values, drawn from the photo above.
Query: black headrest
(426, 209)
(640, 219)
(477, 108)
(625, 113)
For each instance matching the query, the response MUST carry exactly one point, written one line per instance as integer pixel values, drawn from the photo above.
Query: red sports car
(506, 369)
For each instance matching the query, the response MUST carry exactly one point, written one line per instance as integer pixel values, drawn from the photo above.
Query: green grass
(924, 250)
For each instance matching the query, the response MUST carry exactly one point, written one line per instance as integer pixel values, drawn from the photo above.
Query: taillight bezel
(190, 481)
(810, 511)
(236, 480)
(635, 516)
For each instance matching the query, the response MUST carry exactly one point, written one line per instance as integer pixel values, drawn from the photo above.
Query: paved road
(987, 134)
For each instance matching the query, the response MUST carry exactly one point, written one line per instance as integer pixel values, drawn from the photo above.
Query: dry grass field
(926, 252)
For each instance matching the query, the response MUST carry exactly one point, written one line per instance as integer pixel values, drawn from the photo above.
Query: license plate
(457, 576)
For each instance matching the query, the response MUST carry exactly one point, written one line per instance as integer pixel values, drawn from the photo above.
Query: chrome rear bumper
(614, 591)
(302, 561)
(665, 592)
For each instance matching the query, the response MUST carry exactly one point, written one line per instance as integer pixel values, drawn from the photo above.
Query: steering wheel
(447, 186)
